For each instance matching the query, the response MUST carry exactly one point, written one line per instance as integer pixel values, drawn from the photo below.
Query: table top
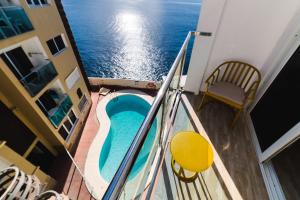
(191, 151)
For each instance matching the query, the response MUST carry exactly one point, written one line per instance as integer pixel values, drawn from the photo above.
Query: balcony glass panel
(39, 77)
(208, 184)
(57, 114)
(135, 189)
(13, 21)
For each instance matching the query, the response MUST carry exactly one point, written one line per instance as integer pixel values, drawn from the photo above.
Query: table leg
(181, 171)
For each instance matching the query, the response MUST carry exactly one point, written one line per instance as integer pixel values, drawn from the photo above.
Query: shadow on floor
(234, 146)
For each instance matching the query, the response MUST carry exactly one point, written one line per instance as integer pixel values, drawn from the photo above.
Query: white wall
(248, 30)
(34, 46)
(210, 14)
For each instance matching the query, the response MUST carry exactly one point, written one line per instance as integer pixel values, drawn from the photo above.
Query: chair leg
(236, 117)
(201, 103)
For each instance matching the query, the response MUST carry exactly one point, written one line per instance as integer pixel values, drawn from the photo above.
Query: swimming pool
(120, 115)
(126, 114)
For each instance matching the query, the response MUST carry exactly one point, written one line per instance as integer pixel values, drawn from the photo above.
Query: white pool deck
(95, 183)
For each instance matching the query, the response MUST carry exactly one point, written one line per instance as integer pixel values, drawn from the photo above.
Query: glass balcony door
(286, 165)
(276, 126)
(18, 62)
(276, 115)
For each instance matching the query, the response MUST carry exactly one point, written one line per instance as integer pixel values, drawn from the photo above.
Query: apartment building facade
(44, 94)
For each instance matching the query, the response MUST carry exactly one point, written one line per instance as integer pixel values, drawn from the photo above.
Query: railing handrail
(11, 6)
(119, 179)
(75, 164)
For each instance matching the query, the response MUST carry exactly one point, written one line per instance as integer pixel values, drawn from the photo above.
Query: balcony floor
(207, 185)
(234, 146)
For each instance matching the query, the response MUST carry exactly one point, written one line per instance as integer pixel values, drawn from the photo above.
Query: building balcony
(57, 114)
(39, 77)
(30, 65)
(13, 21)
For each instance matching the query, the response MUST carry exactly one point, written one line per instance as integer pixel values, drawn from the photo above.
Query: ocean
(133, 39)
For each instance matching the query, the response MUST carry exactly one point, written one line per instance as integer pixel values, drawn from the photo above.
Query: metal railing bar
(75, 164)
(73, 173)
(116, 185)
(81, 181)
(158, 166)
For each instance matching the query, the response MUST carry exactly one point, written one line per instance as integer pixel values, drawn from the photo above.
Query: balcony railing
(57, 114)
(13, 21)
(39, 77)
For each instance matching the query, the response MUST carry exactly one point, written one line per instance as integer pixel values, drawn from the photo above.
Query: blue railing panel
(13, 21)
(39, 77)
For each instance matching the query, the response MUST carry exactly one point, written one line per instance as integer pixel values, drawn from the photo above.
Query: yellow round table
(191, 152)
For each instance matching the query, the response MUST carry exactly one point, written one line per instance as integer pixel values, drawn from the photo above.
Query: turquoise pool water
(126, 114)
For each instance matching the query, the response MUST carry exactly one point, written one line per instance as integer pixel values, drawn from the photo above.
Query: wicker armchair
(234, 83)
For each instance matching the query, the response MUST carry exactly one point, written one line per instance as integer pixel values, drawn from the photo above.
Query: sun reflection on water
(129, 23)
(136, 52)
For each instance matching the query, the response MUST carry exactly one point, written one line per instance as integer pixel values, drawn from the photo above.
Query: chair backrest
(238, 73)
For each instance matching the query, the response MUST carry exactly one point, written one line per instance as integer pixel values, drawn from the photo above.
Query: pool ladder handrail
(116, 185)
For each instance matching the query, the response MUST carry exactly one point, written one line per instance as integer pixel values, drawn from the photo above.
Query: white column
(209, 20)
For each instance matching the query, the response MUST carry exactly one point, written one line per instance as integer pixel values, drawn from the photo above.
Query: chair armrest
(2, 143)
(251, 92)
(213, 78)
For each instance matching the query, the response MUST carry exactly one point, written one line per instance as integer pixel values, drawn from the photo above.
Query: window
(52, 46)
(82, 103)
(59, 42)
(63, 133)
(40, 3)
(68, 125)
(56, 44)
(79, 93)
(83, 99)
(72, 117)
(55, 104)
(49, 100)
(18, 62)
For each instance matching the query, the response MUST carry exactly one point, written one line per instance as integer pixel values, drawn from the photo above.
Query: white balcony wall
(33, 48)
(245, 30)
